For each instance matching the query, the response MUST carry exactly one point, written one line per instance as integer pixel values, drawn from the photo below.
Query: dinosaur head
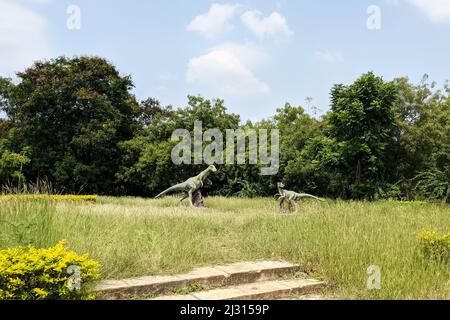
(280, 184)
(212, 168)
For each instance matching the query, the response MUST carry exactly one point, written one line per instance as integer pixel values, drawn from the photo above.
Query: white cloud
(274, 25)
(215, 21)
(249, 54)
(330, 57)
(22, 37)
(228, 68)
(436, 10)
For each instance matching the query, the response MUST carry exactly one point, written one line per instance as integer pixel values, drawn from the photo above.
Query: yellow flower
(37, 197)
(41, 294)
(47, 270)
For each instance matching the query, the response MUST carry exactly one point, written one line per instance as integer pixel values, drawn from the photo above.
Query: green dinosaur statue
(291, 196)
(190, 186)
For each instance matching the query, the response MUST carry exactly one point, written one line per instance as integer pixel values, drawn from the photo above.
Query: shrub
(434, 184)
(387, 191)
(241, 188)
(435, 246)
(57, 197)
(28, 273)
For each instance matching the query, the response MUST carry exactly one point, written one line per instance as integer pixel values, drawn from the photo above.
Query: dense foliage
(28, 273)
(434, 245)
(76, 123)
(71, 114)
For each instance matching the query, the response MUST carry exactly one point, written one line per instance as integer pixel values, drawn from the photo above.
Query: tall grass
(334, 241)
(41, 186)
(340, 242)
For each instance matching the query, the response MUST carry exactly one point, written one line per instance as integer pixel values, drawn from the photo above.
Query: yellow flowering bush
(434, 245)
(56, 273)
(57, 197)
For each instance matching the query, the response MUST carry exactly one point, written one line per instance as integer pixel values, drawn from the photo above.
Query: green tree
(12, 164)
(6, 87)
(422, 130)
(320, 168)
(362, 120)
(147, 167)
(296, 129)
(434, 182)
(420, 151)
(72, 113)
(350, 160)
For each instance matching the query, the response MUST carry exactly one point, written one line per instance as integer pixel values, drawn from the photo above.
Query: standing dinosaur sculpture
(291, 196)
(190, 187)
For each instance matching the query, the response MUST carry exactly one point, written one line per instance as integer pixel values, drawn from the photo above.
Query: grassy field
(333, 241)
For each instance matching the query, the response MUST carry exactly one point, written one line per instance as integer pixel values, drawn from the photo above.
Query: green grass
(333, 241)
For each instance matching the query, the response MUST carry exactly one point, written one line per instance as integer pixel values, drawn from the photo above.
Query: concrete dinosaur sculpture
(291, 196)
(190, 187)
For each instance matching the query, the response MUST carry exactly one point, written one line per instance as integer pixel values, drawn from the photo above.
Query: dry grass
(334, 241)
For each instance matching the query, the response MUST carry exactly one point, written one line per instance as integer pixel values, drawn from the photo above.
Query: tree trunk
(358, 171)
(197, 199)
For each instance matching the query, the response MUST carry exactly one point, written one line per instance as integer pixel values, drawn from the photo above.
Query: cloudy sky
(256, 55)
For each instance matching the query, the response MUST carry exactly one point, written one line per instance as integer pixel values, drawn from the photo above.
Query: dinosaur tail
(171, 189)
(305, 195)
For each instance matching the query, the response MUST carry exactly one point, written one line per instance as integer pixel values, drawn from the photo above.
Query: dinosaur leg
(281, 202)
(190, 195)
(291, 204)
(197, 199)
(185, 196)
(294, 205)
(288, 202)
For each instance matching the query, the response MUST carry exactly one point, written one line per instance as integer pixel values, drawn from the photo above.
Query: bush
(11, 165)
(28, 273)
(434, 184)
(387, 191)
(435, 246)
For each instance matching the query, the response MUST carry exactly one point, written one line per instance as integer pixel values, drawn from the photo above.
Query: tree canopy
(72, 113)
(75, 122)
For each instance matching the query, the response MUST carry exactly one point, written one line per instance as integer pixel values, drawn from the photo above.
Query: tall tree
(147, 166)
(349, 161)
(362, 121)
(72, 113)
(419, 150)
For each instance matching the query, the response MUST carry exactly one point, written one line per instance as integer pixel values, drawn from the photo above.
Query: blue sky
(256, 55)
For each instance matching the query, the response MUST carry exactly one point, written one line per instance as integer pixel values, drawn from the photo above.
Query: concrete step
(237, 273)
(263, 290)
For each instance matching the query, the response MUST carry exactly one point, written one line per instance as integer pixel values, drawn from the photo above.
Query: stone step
(263, 290)
(237, 273)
